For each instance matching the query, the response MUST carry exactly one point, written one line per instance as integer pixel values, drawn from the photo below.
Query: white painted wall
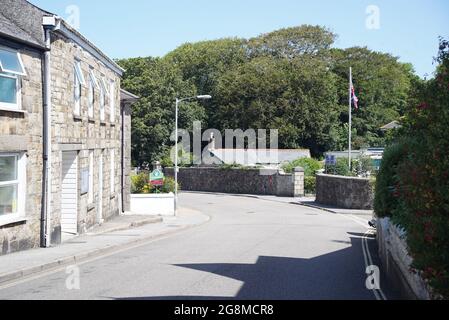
(153, 204)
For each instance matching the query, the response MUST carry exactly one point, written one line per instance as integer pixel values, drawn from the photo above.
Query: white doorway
(69, 194)
(100, 190)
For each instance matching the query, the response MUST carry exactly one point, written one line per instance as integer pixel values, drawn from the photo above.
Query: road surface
(250, 249)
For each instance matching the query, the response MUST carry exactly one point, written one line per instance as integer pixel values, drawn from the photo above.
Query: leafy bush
(385, 201)
(140, 185)
(363, 166)
(310, 185)
(421, 179)
(341, 168)
(226, 166)
(309, 165)
(169, 185)
(138, 182)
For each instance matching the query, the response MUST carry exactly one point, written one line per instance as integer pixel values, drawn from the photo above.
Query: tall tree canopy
(290, 79)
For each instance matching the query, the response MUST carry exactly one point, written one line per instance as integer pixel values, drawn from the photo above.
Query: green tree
(157, 83)
(382, 85)
(292, 42)
(295, 96)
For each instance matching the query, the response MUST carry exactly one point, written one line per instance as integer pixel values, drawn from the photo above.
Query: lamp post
(178, 101)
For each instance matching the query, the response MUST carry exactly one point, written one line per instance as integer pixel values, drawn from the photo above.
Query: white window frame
(91, 94)
(112, 169)
(21, 188)
(78, 82)
(91, 177)
(18, 104)
(112, 101)
(102, 103)
(104, 92)
(2, 69)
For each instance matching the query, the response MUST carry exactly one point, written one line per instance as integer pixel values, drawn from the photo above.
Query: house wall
(22, 132)
(82, 134)
(127, 157)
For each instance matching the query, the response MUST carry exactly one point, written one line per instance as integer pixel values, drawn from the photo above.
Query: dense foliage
(140, 184)
(419, 181)
(290, 79)
(310, 166)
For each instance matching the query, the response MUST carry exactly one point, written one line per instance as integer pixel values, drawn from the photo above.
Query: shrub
(420, 183)
(310, 185)
(138, 182)
(309, 165)
(385, 200)
(140, 185)
(341, 168)
(169, 185)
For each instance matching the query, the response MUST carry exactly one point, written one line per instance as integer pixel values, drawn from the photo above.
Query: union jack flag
(354, 98)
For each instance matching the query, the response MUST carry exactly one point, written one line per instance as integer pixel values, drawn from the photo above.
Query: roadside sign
(157, 178)
(331, 160)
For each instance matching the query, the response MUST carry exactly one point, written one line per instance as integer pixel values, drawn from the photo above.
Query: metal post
(350, 118)
(176, 157)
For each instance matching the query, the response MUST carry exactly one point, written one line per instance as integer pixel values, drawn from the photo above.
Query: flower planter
(162, 204)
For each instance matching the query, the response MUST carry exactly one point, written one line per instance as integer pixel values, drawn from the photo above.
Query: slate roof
(22, 22)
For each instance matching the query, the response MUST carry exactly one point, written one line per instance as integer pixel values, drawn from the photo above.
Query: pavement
(119, 233)
(250, 249)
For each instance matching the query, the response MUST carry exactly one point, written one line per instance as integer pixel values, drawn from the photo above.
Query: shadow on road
(338, 275)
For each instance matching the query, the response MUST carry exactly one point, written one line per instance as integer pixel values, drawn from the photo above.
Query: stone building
(64, 131)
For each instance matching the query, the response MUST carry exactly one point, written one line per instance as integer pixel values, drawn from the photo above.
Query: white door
(100, 190)
(69, 193)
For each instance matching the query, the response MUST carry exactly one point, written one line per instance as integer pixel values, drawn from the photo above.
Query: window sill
(102, 123)
(91, 207)
(77, 118)
(6, 221)
(91, 120)
(13, 110)
(113, 196)
(112, 124)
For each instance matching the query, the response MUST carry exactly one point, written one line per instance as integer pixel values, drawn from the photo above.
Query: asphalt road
(250, 249)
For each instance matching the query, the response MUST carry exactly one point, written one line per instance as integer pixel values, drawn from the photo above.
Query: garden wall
(344, 192)
(397, 262)
(240, 181)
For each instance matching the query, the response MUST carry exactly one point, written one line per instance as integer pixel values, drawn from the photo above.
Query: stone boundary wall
(396, 261)
(240, 181)
(344, 192)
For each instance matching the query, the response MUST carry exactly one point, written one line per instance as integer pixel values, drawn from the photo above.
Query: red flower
(423, 106)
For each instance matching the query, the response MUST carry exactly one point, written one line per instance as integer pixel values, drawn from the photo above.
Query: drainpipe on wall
(48, 23)
(122, 115)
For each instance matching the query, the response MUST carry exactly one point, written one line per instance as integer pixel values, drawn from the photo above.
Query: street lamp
(178, 101)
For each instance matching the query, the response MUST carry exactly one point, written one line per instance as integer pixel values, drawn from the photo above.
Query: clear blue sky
(408, 29)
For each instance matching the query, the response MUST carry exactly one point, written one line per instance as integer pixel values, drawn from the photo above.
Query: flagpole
(350, 119)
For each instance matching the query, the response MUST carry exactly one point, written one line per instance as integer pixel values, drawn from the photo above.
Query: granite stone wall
(397, 262)
(21, 131)
(344, 192)
(83, 133)
(240, 181)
